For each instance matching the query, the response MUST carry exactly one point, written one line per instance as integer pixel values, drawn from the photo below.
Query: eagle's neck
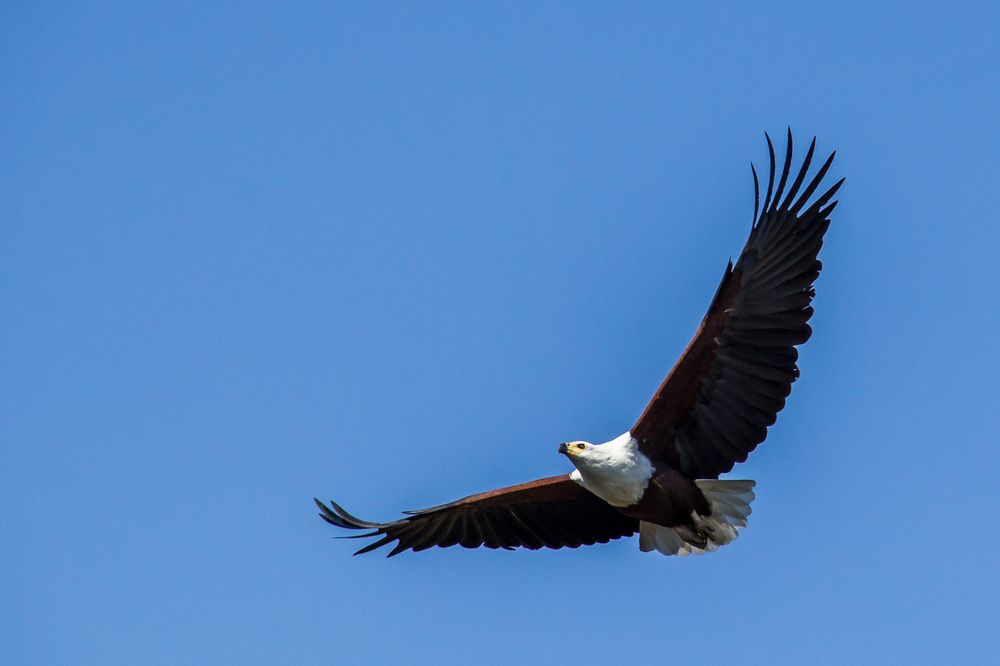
(616, 471)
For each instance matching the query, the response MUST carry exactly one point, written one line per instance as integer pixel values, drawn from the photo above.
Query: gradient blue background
(394, 255)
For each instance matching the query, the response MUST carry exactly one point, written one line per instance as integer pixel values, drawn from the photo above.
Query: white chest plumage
(616, 471)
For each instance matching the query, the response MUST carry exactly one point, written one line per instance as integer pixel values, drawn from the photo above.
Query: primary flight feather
(660, 478)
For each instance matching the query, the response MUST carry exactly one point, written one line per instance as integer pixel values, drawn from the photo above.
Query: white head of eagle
(615, 471)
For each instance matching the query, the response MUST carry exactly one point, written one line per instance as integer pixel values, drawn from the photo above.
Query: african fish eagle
(660, 478)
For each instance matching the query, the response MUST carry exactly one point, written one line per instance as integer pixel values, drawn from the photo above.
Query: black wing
(728, 386)
(551, 513)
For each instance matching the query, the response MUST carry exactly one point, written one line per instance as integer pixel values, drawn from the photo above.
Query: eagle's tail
(730, 501)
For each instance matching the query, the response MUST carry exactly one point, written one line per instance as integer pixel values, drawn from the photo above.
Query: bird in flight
(661, 477)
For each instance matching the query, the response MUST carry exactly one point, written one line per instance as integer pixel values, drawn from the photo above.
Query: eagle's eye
(580, 446)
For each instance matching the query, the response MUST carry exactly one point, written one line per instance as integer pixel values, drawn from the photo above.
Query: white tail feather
(730, 502)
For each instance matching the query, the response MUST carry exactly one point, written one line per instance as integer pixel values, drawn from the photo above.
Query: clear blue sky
(393, 255)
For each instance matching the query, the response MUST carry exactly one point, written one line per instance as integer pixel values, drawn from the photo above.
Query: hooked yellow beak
(572, 448)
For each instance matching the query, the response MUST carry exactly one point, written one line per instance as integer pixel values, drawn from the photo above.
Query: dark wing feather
(728, 386)
(547, 513)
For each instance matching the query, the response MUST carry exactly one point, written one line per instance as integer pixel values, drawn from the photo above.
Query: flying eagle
(660, 478)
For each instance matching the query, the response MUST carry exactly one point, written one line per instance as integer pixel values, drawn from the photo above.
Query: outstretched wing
(728, 386)
(552, 513)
